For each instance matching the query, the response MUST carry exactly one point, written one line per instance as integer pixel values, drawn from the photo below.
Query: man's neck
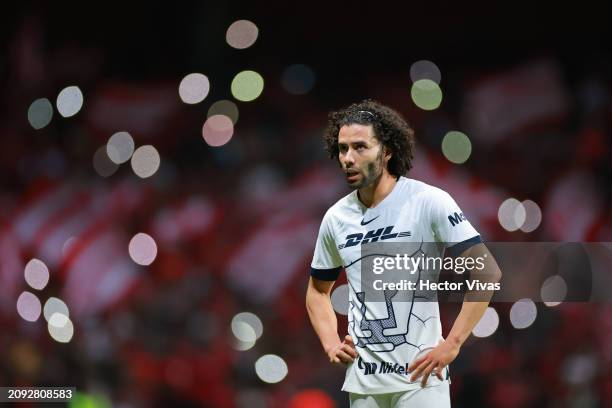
(372, 195)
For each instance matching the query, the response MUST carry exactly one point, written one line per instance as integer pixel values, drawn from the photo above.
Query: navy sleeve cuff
(458, 248)
(325, 274)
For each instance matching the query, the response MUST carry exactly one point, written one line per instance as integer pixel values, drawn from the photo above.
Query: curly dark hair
(389, 128)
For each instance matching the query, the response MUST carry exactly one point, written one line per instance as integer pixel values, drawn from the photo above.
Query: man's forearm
(323, 318)
(468, 317)
(475, 303)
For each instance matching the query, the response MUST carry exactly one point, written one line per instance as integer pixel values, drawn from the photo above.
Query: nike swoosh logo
(366, 223)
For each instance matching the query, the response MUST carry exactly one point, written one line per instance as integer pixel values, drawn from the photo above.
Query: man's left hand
(434, 361)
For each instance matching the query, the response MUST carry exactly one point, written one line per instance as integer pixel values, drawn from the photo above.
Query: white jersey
(388, 335)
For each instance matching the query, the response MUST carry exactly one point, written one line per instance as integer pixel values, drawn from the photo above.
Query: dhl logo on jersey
(372, 236)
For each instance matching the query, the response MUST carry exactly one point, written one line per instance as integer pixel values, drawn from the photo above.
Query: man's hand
(434, 361)
(343, 352)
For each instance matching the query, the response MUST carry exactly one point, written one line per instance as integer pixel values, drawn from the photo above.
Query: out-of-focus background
(163, 179)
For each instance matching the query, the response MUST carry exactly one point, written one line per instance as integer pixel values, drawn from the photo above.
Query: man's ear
(387, 153)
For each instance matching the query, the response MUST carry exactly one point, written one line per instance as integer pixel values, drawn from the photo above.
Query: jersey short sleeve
(450, 225)
(326, 263)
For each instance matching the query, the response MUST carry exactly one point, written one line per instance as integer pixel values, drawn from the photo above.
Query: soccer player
(395, 353)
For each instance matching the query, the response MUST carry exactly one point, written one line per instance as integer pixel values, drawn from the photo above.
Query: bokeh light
(241, 34)
(425, 69)
(271, 368)
(217, 130)
(426, 94)
(24, 356)
(60, 328)
(554, 290)
(69, 101)
(240, 345)
(28, 306)
(579, 369)
(102, 164)
(145, 161)
(511, 214)
(143, 249)
(194, 88)
(58, 320)
(225, 108)
(250, 320)
(55, 305)
(456, 147)
(120, 147)
(247, 328)
(523, 313)
(339, 299)
(487, 324)
(81, 399)
(40, 113)
(309, 398)
(298, 79)
(243, 332)
(247, 86)
(533, 216)
(36, 274)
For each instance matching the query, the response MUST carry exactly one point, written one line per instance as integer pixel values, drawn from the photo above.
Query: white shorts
(437, 397)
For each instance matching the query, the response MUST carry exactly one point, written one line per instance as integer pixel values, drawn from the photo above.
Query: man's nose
(349, 157)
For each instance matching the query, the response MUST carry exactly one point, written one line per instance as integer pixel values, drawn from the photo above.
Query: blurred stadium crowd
(234, 225)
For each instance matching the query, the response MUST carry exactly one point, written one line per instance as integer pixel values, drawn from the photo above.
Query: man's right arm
(324, 322)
